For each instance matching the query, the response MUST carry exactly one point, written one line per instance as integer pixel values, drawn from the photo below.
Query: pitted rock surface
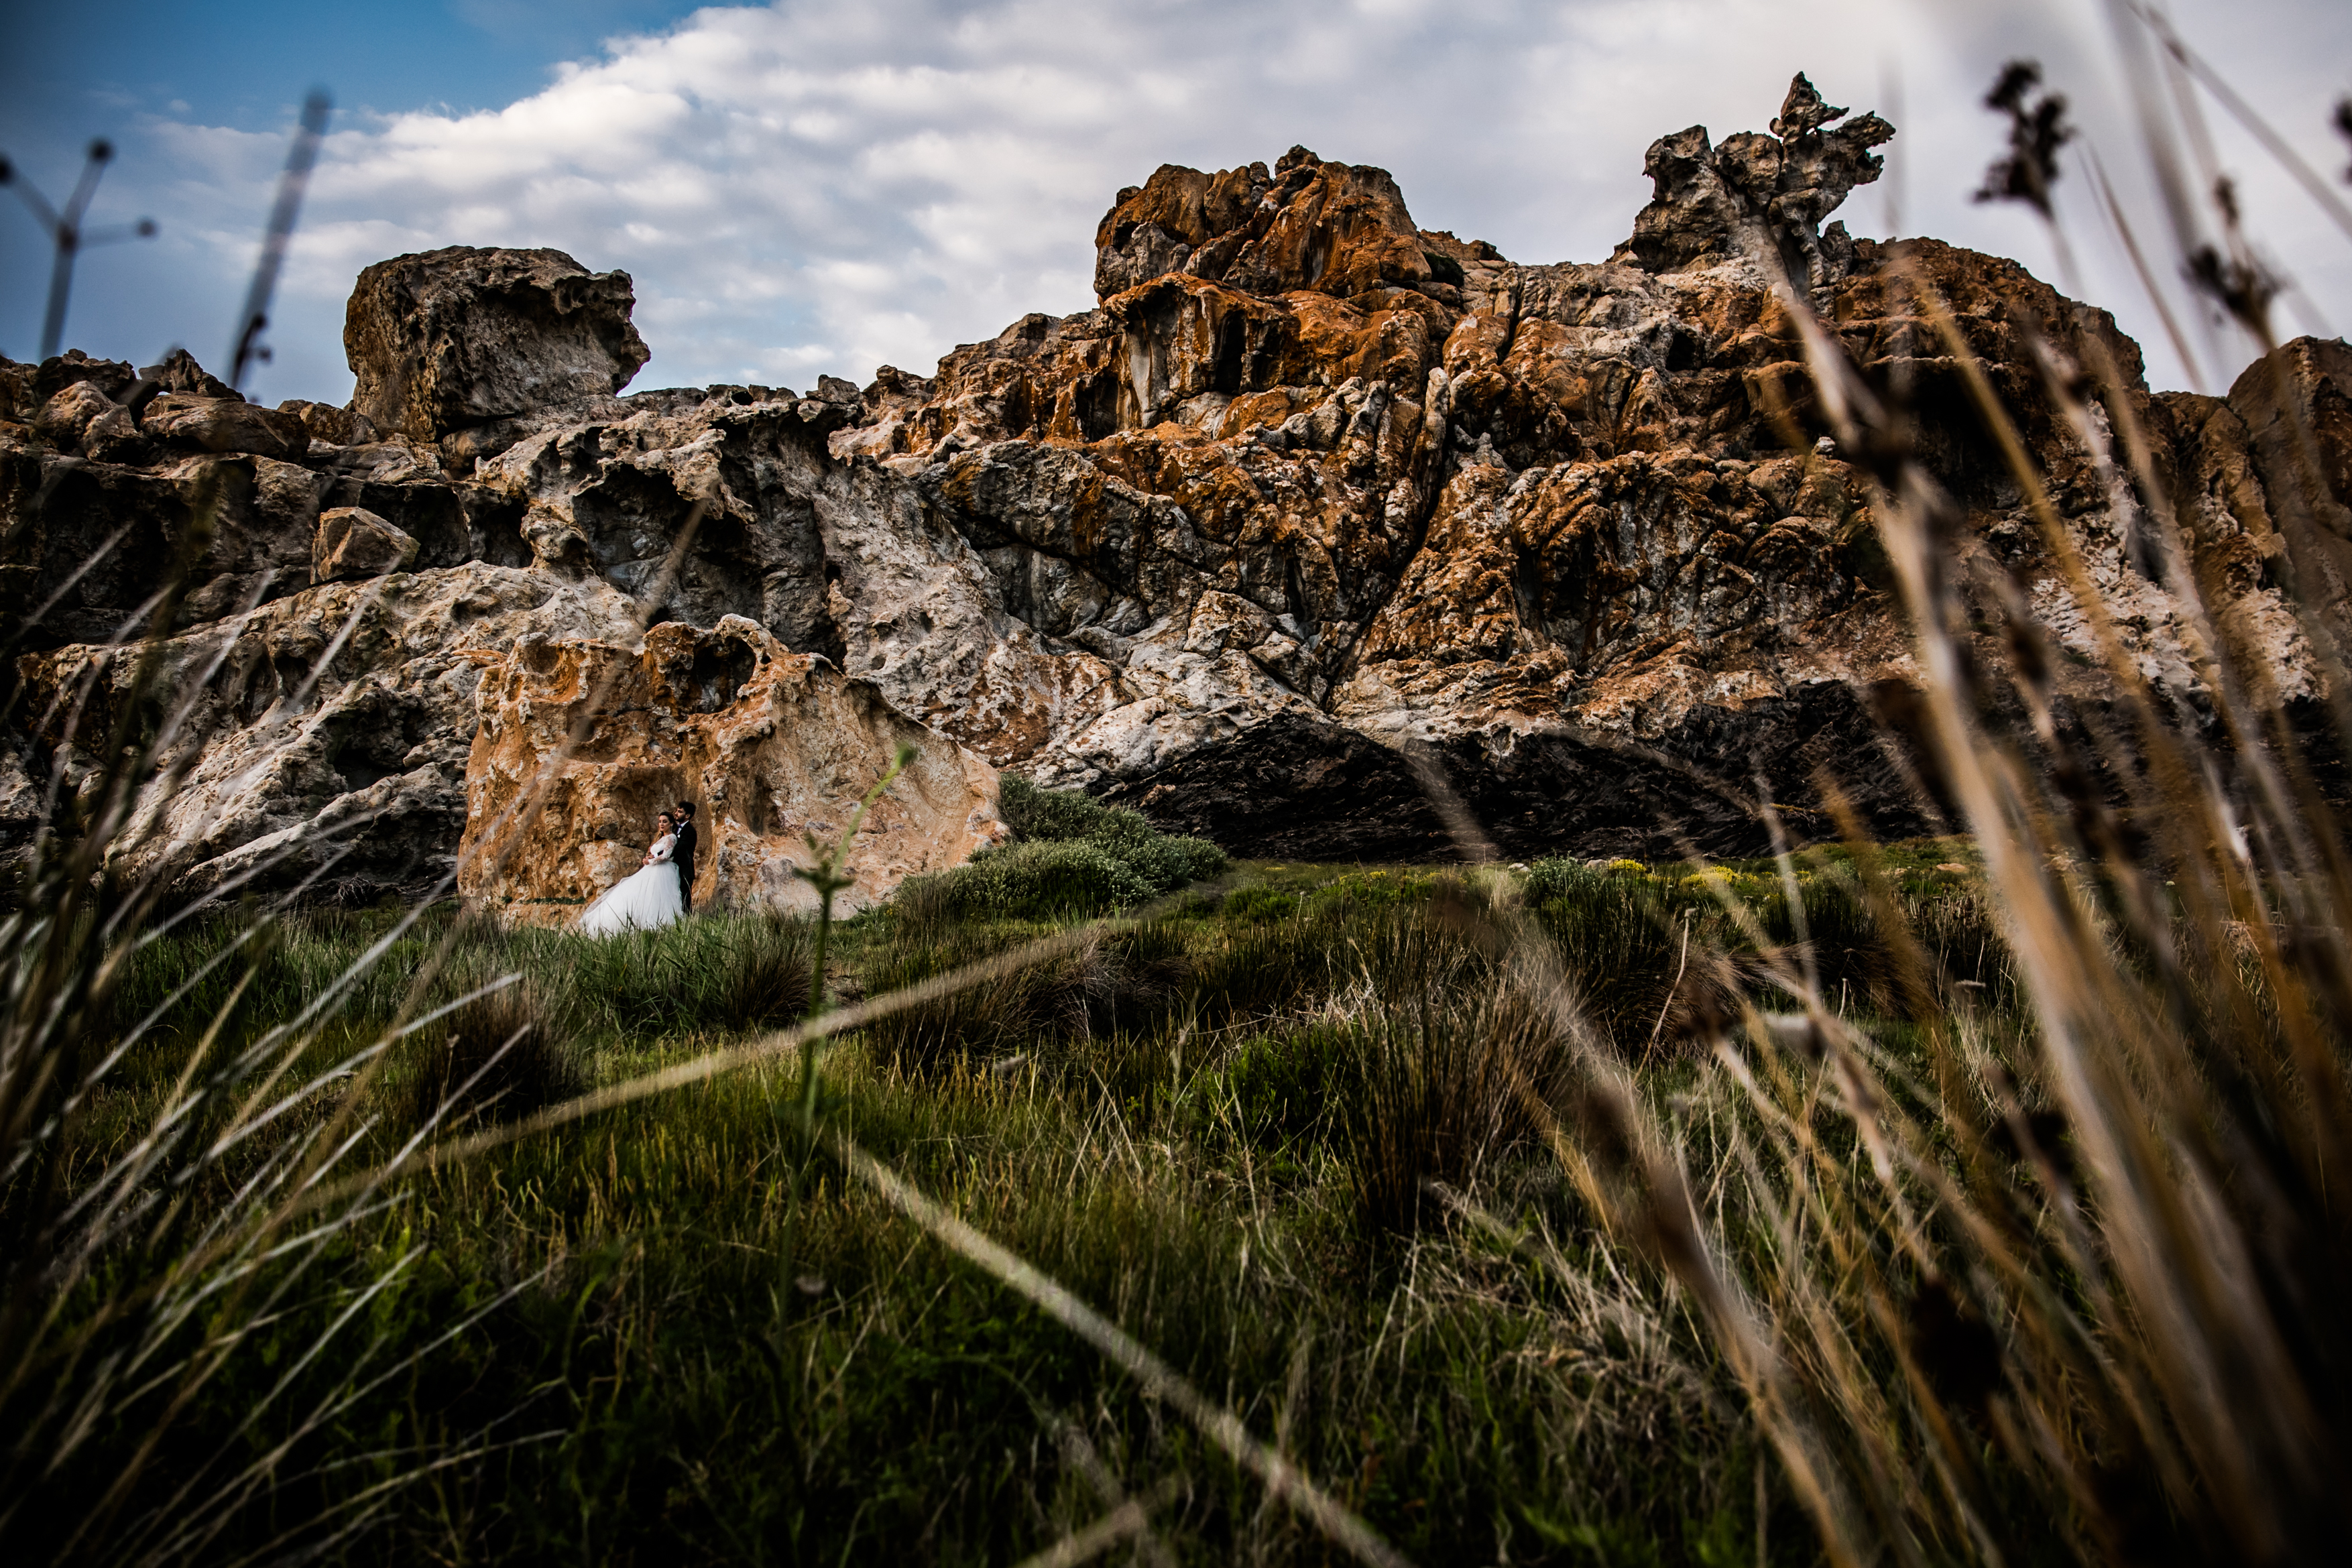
(460, 337)
(331, 749)
(1757, 195)
(772, 746)
(353, 542)
(225, 425)
(1310, 487)
(66, 415)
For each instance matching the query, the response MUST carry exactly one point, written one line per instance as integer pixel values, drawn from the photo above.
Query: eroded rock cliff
(580, 743)
(1309, 484)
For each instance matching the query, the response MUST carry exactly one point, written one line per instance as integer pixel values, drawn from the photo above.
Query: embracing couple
(659, 891)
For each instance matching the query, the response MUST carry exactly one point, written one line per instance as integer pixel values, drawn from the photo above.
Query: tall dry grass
(2065, 1281)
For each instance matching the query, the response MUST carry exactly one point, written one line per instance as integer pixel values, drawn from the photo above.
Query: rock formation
(330, 746)
(353, 542)
(1308, 486)
(456, 338)
(579, 744)
(1758, 195)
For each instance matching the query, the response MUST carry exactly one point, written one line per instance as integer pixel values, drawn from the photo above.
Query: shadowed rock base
(1295, 788)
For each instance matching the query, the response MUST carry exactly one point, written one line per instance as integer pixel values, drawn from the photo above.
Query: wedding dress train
(647, 898)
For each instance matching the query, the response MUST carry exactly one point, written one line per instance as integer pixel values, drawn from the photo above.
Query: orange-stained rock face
(1309, 483)
(1310, 471)
(327, 750)
(1339, 228)
(580, 745)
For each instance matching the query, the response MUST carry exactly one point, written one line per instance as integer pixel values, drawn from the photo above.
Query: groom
(682, 851)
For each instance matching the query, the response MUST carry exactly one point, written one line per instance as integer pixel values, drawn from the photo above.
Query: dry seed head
(2241, 285)
(2037, 129)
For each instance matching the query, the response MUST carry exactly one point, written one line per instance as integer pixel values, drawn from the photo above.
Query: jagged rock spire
(1756, 195)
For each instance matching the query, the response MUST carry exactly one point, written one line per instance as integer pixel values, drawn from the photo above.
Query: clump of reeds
(719, 973)
(1099, 984)
(504, 1054)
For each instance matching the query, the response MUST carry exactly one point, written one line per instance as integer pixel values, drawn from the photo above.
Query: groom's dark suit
(682, 851)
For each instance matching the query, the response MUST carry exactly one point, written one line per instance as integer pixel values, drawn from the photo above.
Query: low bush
(1438, 1088)
(1258, 904)
(1547, 880)
(1377, 890)
(1046, 816)
(1028, 881)
(1070, 855)
(1283, 1085)
(714, 972)
(1250, 970)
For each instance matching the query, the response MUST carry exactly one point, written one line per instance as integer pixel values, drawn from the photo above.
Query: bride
(647, 897)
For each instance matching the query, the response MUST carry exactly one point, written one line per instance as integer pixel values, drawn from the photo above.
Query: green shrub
(1165, 860)
(1283, 1085)
(1029, 882)
(1070, 855)
(1128, 979)
(1047, 816)
(1551, 878)
(1435, 1089)
(1371, 891)
(1251, 970)
(1259, 905)
(504, 1055)
(715, 972)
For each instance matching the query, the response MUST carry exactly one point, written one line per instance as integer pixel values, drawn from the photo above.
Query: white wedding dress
(648, 898)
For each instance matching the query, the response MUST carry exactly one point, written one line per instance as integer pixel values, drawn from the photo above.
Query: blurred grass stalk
(2093, 1277)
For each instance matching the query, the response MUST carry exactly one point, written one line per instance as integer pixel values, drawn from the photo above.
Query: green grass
(1220, 1128)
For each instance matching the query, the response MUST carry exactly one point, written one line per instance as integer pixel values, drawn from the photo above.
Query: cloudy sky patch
(804, 188)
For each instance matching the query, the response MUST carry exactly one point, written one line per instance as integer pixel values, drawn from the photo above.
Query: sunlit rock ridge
(1310, 488)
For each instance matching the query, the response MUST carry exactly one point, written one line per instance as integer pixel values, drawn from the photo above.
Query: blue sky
(244, 64)
(804, 188)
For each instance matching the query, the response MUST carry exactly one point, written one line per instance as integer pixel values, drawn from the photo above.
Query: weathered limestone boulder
(179, 372)
(2296, 413)
(460, 337)
(91, 539)
(225, 425)
(325, 422)
(64, 416)
(770, 745)
(114, 436)
(353, 542)
(53, 375)
(89, 532)
(344, 773)
(1337, 228)
(1572, 525)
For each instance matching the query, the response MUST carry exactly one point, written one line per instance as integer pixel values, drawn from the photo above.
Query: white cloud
(821, 187)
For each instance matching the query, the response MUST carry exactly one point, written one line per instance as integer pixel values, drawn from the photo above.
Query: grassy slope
(1216, 1128)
